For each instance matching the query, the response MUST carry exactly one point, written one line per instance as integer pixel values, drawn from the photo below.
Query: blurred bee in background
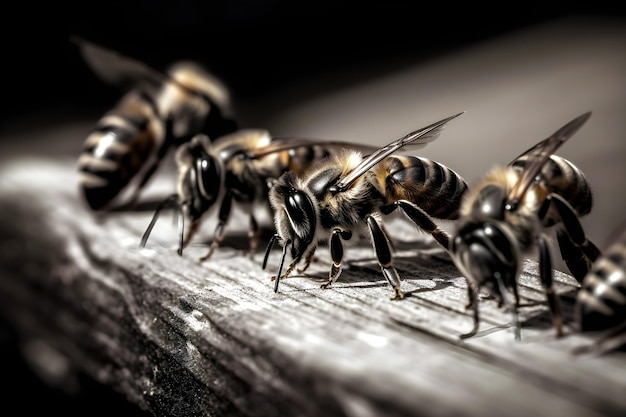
(159, 110)
(601, 301)
(339, 197)
(238, 167)
(507, 215)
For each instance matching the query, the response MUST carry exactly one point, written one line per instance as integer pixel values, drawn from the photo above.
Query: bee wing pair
(414, 140)
(117, 69)
(538, 155)
(283, 143)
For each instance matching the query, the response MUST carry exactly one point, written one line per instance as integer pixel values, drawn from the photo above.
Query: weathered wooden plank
(182, 338)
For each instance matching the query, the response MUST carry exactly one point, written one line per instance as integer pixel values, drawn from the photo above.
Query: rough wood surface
(177, 337)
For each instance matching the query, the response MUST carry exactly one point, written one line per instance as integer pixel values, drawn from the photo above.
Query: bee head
(489, 202)
(295, 214)
(486, 254)
(201, 176)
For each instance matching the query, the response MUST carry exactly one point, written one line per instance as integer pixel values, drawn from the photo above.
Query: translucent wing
(115, 68)
(417, 138)
(537, 157)
(280, 144)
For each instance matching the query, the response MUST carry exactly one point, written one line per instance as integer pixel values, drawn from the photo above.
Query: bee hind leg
(383, 254)
(577, 251)
(421, 219)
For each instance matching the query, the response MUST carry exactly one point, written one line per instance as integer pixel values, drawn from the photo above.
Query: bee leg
(546, 274)
(613, 339)
(148, 173)
(383, 254)
(218, 235)
(278, 275)
(193, 228)
(471, 300)
(421, 219)
(254, 235)
(577, 251)
(336, 253)
(307, 260)
(510, 306)
(472, 294)
(170, 200)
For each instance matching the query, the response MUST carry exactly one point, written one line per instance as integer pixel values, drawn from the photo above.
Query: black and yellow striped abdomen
(117, 149)
(431, 185)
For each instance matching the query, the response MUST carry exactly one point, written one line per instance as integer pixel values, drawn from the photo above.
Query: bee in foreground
(601, 301)
(339, 197)
(507, 215)
(158, 111)
(237, 168)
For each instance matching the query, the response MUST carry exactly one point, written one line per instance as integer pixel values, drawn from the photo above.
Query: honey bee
(601, 301)
(237, 168)
(339, 197)
(158, 111)
(507, 215)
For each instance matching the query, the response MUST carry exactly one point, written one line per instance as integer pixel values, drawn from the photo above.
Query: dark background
(256, 47)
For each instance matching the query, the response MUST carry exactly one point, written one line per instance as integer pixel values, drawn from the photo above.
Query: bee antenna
(280, 267)
(270, 245)
(161, 206)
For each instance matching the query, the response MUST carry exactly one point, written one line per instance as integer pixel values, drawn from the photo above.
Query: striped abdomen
(601, 301)
(434, 187)
(118, 148)
(564, 178)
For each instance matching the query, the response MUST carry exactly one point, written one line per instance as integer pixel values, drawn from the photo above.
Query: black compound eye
(202, 181)
(208, 177)
(302, 218)
(301, 211)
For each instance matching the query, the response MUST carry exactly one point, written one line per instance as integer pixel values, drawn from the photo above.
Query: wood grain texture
(179, 337)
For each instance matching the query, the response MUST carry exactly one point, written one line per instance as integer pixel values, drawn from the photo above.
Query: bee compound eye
(301, 213)
(300, 208)
(208, 178)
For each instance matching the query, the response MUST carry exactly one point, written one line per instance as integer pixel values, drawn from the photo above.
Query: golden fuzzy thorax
(506, 177)
(343, 206)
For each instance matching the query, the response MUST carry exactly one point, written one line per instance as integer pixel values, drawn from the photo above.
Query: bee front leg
(472, 294)
(288, 272)
(512, 306)
(336, 253)
(471, 300)
(383, 254)
(545, 272)
(307, 260)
